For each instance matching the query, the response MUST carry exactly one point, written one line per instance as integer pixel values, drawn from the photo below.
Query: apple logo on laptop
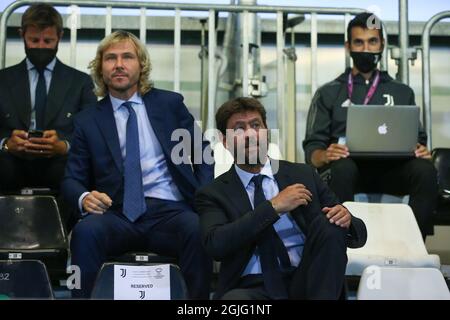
(383, 129)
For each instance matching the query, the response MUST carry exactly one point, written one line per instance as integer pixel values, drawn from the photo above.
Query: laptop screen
(382, 130)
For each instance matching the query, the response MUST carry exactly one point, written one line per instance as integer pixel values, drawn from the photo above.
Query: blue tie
(40, 100)
(133, 200)
(271, 248)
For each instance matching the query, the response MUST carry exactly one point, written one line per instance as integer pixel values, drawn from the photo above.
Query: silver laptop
(382, 131)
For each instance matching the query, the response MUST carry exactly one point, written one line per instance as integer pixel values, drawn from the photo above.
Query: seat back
(31, 228)
(393, 238)
(25, 279)
(143, 257)
(388, 283)
(30, 223)
(104, 284)
(223, 158)
(441, 161)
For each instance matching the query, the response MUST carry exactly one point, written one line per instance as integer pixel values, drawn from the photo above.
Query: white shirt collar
(49, 67)
(246, 177)
(117, 103)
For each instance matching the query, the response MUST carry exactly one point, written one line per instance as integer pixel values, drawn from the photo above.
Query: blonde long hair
(95, 65)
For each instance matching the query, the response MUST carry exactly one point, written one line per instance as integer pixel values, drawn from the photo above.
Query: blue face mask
(365, 61)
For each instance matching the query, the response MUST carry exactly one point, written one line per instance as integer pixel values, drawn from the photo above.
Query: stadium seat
(441, 161)
(104, 284)
(380, 198)
(143, 257)
(390, 283)
(24, 279)
(393, 238)
(31, 228)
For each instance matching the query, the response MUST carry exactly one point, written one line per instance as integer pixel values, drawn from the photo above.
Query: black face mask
(40, 57)
(365, 61)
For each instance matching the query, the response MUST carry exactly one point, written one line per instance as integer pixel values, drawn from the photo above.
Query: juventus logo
(123, 273)
(389, 100)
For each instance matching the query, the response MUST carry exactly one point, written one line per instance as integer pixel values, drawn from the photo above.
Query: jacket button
(68, 115)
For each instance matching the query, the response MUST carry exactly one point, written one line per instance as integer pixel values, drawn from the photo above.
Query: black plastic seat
(441, 161)
(104, 284)
(25, 279)
(143, 257)
(31, 228)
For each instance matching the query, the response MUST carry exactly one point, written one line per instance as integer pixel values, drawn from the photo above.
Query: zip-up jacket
(327, 117)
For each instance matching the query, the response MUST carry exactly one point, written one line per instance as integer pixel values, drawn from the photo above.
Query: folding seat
(441, 161)
(393, 238)
(105, 283)
(31, 228)
(24, 279)
(394, 283)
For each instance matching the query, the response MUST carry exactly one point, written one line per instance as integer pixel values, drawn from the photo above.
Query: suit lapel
(236, 191)
(280, 174)
(284, 180)
(21, 94)
(59, 85)
(107, 124)
(163, 128)
(157, 120)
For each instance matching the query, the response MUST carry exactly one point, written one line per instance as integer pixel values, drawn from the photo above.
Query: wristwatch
(5, 146)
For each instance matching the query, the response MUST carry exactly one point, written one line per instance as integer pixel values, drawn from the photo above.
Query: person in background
(38, 99)
(365, 84)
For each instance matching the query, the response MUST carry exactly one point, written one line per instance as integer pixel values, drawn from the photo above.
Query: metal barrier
(426, 80)
(286, 122)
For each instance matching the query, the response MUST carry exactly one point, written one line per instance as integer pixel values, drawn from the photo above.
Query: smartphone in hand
(35, 134)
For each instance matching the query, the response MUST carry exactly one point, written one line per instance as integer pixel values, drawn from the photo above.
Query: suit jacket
(230, 227)
(95, 160)
(70, 91)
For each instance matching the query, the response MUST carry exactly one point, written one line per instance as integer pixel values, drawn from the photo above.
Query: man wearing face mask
(364, 84)
(38, 99)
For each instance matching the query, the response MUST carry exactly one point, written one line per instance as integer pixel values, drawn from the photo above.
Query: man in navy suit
(124, 176)
(277, 229)
(41, 82)
(40, 93)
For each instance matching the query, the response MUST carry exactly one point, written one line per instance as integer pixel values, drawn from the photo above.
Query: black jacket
(70, 91)
(230, 227)
(327, 118)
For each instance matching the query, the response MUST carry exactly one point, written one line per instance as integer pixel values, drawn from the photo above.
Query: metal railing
(426, 79)
(283, 121)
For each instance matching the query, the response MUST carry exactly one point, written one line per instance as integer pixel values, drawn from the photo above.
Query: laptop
(382, 131)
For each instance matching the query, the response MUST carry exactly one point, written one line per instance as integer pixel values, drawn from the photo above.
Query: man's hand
(334, 152)
(96, 202)
(16, 143)
(422, 152)
(47, 146)
(291, 197)
(339, 215)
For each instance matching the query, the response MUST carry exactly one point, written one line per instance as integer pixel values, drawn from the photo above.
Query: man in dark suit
(42, 94)
(124, 174)
(292, 245)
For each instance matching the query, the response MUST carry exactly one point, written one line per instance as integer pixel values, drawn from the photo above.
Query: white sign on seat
(142, 282)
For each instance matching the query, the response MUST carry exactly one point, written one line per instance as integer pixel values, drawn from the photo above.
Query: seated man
(276, 228)
(324, 142)
(43, 94)
(121, 174)
(27, 159)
